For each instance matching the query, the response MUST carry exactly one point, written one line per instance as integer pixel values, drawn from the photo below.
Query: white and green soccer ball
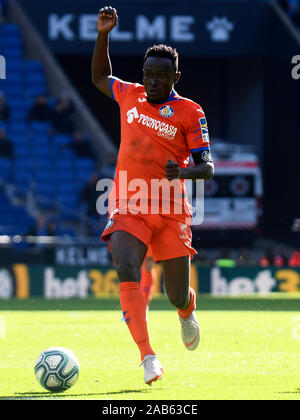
(56, 369)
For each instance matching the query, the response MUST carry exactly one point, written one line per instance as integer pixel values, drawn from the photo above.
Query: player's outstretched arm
(101, 65)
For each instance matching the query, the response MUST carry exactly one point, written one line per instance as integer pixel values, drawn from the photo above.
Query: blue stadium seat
(68, 201)
(67, 213)
(11, 91)
(22, 179)
(12, 41)
(17, 102)
(18, 127)
(14, 65)
(39, 160)
(22, 165)
(40, 151)
(14, 78)
(33, 66)
(46, 189)
(4, 125)
(85, 164)
(18, 114)
(46, 203)
(40, 139)
(20, 139)
(63, 164)
(42, 175)
(40, 126)
(35, 79)
(61, 139)
(67, 153)
(80, 183)
(34, 91)
(9, 29)
(13, 53)
(6, 169)
(22, 150)
(20, 176)
(44, 163)
(64, 174)
(66, 188)
(83, 176)
(5, 162)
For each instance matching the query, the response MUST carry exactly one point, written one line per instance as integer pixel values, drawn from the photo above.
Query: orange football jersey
(151, 134)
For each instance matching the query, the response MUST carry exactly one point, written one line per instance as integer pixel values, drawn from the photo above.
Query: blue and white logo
(166, 111)
(206, 156)
(205, 135)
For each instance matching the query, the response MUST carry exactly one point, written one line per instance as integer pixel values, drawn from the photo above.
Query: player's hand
(107, 19)
(172, 170)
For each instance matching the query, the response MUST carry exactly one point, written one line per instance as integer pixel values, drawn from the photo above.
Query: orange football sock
(185, 313)
(147, 284)
(134, 311)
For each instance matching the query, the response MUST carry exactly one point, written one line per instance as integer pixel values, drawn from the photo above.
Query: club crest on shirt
(166, 111)
(206, 156)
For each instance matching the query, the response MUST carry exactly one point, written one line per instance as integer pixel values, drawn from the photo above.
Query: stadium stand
(54, 175)
(292, 9)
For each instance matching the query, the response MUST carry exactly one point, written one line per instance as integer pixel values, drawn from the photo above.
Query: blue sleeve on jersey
(111, 88)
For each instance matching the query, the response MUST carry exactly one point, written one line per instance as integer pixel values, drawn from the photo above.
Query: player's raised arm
(101, 65)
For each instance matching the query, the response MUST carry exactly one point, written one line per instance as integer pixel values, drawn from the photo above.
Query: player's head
(160, 72)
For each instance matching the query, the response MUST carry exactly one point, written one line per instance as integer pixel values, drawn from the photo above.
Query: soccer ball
(56, 369)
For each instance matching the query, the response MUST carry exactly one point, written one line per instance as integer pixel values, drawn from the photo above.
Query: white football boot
(153, 369)
(190, 331)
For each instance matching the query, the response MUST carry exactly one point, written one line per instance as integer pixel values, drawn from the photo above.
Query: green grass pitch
(249, 350)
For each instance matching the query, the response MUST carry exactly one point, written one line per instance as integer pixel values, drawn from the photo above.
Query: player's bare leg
(147, 281)
(183, 297)
(128, 254)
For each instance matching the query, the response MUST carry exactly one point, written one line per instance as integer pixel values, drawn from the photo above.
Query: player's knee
(178, 299)
(127, 272)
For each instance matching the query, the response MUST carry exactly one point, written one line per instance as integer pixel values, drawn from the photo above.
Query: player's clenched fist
(107, 19)
(172, 170)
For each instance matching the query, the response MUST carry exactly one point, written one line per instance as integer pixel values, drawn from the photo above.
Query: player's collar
(173, 93)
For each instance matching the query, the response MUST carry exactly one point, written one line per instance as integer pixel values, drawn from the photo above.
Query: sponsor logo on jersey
(166, 111)
(204, 128)
(162, 129)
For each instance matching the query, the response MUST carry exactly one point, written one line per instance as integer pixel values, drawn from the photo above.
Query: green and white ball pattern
(57, 369)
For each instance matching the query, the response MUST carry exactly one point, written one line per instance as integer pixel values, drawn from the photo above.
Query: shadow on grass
(290, 392)
(54, 395)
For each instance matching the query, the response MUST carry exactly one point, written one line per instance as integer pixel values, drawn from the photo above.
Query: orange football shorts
(169, 238)
(149, 252)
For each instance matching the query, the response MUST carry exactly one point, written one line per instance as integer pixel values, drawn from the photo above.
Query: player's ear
(177, 77)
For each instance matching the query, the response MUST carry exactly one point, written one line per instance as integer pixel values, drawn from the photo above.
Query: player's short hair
(164, 51)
